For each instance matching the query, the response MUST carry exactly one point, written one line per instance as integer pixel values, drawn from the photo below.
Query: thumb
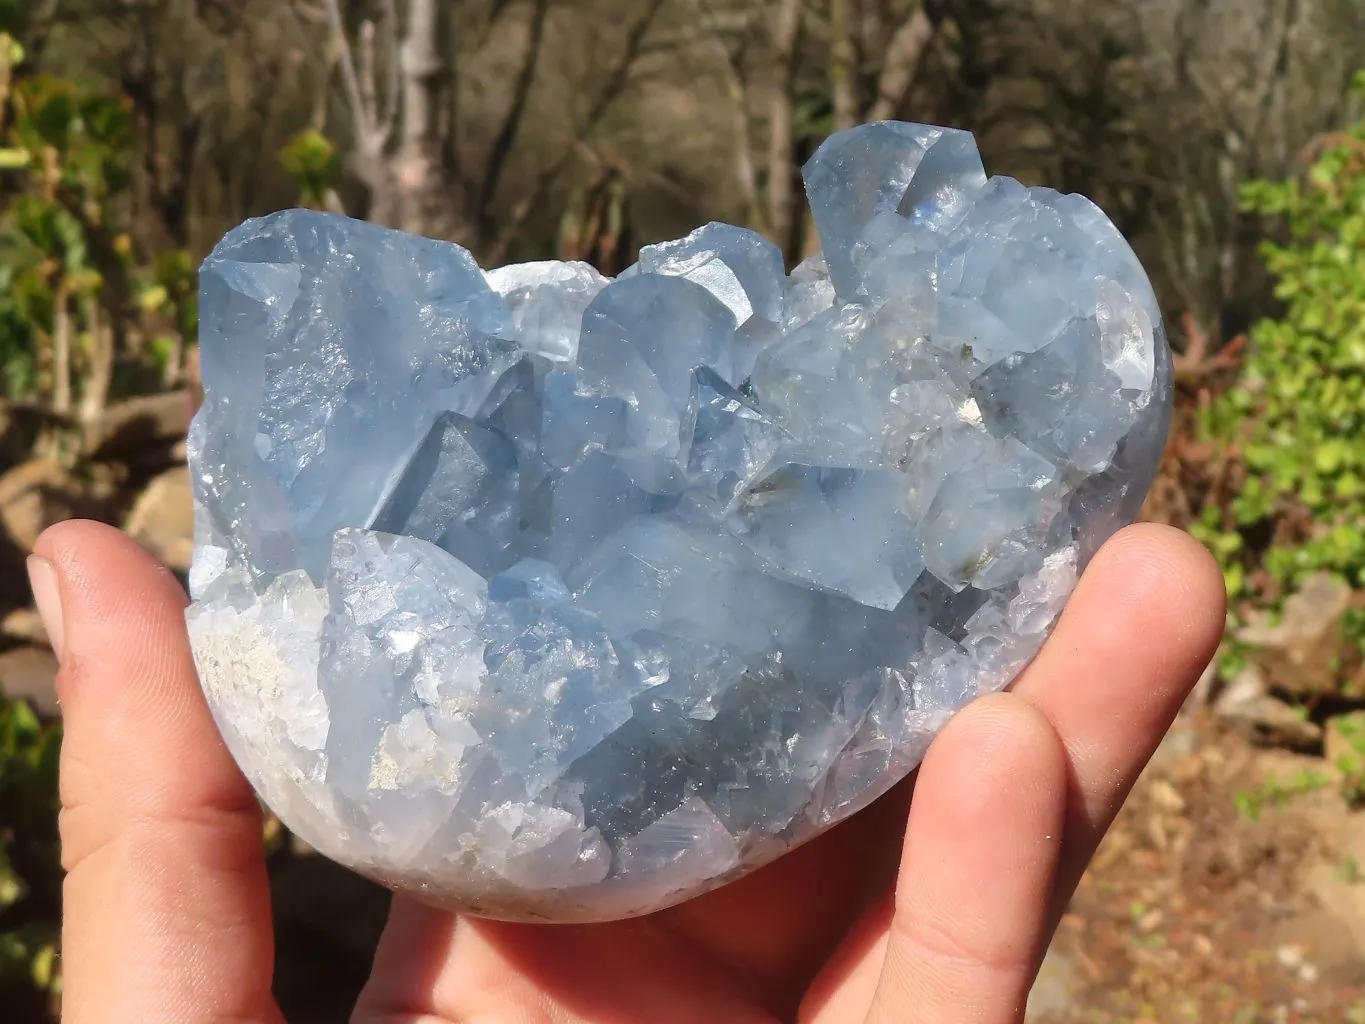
(166, 906)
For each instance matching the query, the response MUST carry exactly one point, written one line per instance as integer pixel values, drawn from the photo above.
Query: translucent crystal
(547, 301)
(550, 597)
(920, 179)
(739, 267)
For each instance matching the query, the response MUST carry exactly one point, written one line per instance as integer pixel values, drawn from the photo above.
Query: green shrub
(30, 859)
(1294, 425)
(1350, 760)
(311, 160)
(82, 313)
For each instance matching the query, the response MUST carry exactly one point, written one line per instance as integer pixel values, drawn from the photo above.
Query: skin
(932, 910)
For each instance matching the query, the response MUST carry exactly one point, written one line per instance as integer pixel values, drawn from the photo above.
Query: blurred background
(1225, 137)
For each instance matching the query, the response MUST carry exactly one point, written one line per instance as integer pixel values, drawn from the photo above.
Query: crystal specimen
(557, 598)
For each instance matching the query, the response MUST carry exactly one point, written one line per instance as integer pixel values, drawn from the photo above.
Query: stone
(162, 519)
(23, 625)
(1300, 651)
(40, 493)
(1344, 743)
(33, 496)
(548, 597)
(29, 673)
(1247, 705)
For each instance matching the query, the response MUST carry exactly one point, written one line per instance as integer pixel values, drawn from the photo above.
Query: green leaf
(1331, 454)
(312, 160)
(12, 887)
(43, 967)
(1234, 579)
(153, 298)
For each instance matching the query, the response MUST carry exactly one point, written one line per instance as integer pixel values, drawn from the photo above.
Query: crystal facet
(557, 598)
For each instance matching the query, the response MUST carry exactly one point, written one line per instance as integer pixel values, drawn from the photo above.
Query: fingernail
(47, 595)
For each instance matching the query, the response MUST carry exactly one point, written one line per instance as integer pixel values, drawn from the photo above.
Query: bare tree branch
(842, 72)
(350, 79)
(427, 203)
(62, 331)
(736, 87)
(901, 64)
(615, 82)
(388, 120)
(366, 70)
(781, 143)
(521, 91)
(423, 70)
(498, 9)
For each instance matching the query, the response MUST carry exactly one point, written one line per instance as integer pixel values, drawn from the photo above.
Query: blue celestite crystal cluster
(554, 597)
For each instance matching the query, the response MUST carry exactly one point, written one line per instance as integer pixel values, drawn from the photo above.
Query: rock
(23, 625)
(36, 494)
(1339, 890)
(1344, 743)
(33, 496)
(162, 519)
(548, 597)
(1246, 703)
(142, 429)
(30, 673)
(40, 493)
(1299, 653)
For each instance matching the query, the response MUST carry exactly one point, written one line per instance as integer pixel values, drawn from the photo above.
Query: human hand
(944, 919)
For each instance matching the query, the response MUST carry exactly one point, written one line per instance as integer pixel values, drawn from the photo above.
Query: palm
(749, 951)
(167, 914)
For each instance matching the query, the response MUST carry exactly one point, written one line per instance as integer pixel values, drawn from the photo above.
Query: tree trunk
(411, 185)
(746, 175)
(781, 143)
(511, 122)
(427, 197)
(613, 85)
(842, 73)
(61, 349)
(901, 65)
(99, 374)
(737, 92)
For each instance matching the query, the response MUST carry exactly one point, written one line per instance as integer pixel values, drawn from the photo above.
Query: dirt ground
(1231, 890)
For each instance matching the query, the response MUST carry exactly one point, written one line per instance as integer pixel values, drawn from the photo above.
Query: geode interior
(550, 597)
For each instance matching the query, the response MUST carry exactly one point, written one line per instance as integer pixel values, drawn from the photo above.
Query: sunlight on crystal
(558, 598)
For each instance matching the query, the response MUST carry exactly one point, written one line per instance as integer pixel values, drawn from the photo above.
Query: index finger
(1141, 627)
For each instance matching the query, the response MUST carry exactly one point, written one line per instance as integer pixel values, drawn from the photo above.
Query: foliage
(1348, 870)
(77, 139)
(79, 308)
(1293, 428)
(30, 871)
(1277, 793)
(312, 162)
(1351, 761)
